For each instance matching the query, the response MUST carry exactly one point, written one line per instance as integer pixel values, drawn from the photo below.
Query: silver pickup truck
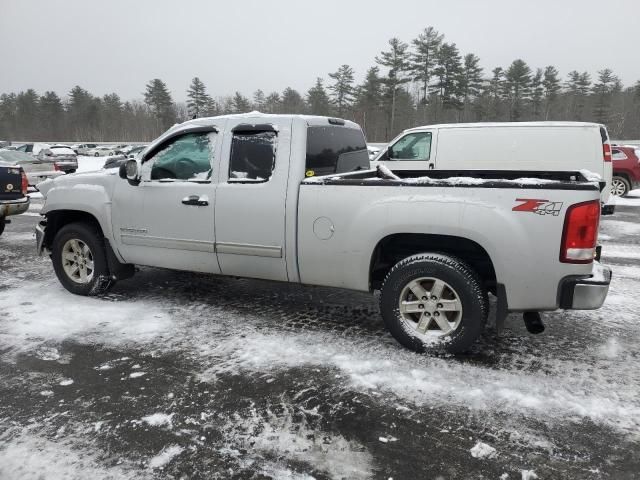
(262, 196)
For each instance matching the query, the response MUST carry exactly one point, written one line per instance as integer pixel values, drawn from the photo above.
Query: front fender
(92, 199)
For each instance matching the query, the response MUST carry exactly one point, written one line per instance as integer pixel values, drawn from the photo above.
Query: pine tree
(496, 92)
(158, 99)
(27, 114)
(607, 84)
(241, 104)
(422, 59)
(518, 87)
(551, 86)
(51, 113)
(537, 94)
(111, 116)
(470, 80)
(292, 101)
(396, 59)
(449, 74)
(369, 101)
(259, 100)
(273, 103)
(79, 105)
(8, 115)
(198, 99)
(342, 89)
(317, 99)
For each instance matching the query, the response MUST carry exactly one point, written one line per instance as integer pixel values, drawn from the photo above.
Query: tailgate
(10, 183)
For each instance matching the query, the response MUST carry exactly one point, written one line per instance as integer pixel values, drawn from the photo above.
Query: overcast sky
(118, 45)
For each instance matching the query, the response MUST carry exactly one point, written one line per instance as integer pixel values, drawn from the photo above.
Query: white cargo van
(533, 146)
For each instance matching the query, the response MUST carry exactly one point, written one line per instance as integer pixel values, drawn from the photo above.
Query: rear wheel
(2, 224)
(96, 154)
(432, 300)
(620, 186)
(79, 259)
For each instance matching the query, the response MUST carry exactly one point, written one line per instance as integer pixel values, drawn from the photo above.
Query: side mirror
(129, 170)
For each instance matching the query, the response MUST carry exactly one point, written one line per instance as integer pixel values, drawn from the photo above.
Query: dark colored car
(117, 160)
(13, 192)
(626, 169)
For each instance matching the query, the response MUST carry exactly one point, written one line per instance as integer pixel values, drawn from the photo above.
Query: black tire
(467, 285)
(623, 182)
(96, 154)
(2, 224)
(71, 171)
(89, 235)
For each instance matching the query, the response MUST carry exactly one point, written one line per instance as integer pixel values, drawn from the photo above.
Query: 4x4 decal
(541, 207)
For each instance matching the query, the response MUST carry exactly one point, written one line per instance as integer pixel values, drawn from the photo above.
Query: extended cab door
(251, 196)
(412, 151)
(167, 220)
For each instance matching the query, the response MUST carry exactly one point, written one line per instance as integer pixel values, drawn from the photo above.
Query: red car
(626, 169)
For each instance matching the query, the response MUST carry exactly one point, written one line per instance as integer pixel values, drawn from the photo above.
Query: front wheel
(2, 224)
(96, 154)
(79, 259)
(620, 186)
(431, 300)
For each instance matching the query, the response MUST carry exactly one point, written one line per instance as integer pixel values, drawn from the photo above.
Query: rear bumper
(14, 207)
(585, 293)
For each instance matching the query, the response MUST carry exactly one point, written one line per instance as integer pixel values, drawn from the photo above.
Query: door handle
(195, 200)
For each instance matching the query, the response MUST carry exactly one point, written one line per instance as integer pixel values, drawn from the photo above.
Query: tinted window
(618, 154)
(186, 158)
(335, 149)
(414, 146)
(253, 156)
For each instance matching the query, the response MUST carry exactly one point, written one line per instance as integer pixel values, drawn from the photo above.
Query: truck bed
(466, 178)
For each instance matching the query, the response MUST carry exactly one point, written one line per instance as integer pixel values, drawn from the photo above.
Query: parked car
(64, 159)
(100, 151)
(542, 146)
(83, 148)
(626, 169)
(135, 151)
(13, 192)
(114, 161)
(36, 170)
(243, 199)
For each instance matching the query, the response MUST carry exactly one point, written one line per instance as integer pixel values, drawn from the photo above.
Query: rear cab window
(253, 154)
(335, 149)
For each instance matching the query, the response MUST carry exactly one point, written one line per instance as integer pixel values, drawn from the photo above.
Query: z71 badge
(541, 207)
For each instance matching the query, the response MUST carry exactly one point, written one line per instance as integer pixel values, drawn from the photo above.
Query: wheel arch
(398, 246)
(56, 219)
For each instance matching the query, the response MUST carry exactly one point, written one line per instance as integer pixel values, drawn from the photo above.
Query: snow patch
(159, 420)
(528, 475)
(165, 456)
(482, 450)
(29, 457)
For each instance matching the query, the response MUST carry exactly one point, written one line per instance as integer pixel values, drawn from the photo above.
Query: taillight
(580, 233)
(606, 152)
(25, 183)
(56, 167)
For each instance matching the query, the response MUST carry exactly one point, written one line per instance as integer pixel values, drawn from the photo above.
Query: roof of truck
(309, 119)
(505, 124)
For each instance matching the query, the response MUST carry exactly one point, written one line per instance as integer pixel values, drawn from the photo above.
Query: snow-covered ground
(178, 375)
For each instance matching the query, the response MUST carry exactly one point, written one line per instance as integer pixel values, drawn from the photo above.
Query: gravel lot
(178, 375)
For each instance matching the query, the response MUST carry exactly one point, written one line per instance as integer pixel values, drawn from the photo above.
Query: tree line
(424, 81)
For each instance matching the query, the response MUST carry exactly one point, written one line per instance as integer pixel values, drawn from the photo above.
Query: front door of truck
(167, 220)
(250, 198)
